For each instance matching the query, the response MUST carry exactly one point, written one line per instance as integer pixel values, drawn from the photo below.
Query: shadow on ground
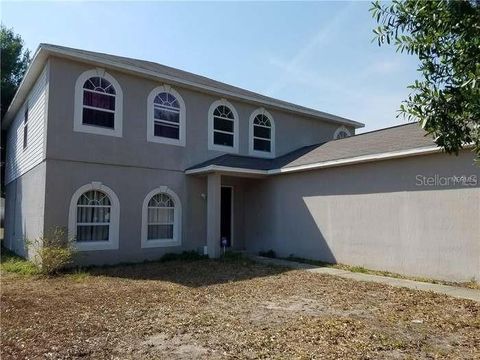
(191, 273)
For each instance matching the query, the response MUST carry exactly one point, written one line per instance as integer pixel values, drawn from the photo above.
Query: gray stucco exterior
(374, 215)
(369, 214)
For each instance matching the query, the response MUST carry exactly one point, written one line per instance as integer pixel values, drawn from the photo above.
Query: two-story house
(138, 159)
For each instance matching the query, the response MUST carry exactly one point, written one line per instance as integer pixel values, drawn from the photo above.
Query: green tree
(445, 36)
(14, 60)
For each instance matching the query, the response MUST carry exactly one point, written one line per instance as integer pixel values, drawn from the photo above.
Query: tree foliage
(445, 35)
(14, 62)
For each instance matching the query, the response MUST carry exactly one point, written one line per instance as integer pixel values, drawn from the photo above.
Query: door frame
(231, 212)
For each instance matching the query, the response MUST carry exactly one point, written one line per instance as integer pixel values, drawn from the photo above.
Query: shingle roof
(173, 75)
(398, 138)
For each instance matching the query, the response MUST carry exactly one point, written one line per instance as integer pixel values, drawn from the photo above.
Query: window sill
(91, 129)
(96, 245)
(167, 141)
(146, 244)
(222, 148)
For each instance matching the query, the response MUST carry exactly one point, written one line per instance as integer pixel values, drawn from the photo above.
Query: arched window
(166, 116)
(161, 219)
(98, 104)
(223, 127)
(341, 133)
(94, 217)
(262, 134)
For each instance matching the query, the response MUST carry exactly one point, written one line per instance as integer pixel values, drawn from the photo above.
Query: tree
(445, 35)
(14, 63)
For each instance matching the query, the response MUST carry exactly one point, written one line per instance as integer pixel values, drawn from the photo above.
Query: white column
(213, 215)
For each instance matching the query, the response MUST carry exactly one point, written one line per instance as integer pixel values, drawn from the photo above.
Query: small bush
(270, 254)
(184, 256)
(54, 251)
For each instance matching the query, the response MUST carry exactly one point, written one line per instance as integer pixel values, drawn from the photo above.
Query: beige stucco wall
(373, 215)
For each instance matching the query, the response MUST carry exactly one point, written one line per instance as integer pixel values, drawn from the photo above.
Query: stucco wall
(131, 185)
(24, 209)
(132, 148)
(373, 215)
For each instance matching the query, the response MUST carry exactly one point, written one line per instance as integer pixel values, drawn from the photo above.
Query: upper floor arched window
(98, 104)
(166, 116)
(262, 134)
(222, 127)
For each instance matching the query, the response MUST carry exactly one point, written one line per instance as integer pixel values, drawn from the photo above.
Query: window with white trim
(98, 104)
(262, 134)
(223, 127)
(341, 133)
(94, 218)
(161, 218)
(166, 116)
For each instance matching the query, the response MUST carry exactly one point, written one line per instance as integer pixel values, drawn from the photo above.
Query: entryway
(226, 216)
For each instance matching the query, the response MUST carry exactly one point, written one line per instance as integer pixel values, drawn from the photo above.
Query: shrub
(184, 256)
(270, 254)
(54, 251)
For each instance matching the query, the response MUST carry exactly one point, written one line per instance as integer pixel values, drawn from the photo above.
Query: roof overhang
(44, 51)
(318, 165)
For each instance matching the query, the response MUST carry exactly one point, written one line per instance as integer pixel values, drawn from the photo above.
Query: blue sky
(316, 54)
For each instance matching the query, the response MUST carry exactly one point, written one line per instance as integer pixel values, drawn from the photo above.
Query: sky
(315, 54)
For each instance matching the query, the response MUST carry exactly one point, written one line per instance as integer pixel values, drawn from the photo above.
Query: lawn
(227, 309)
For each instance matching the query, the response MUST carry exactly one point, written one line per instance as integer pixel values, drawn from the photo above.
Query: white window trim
(150, 117)
(339, 130)
(112, 243)
(177, 227)
(251, 150)
(211, 145)
(78, 110)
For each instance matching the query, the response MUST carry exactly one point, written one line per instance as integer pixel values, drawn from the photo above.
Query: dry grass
(237, 309)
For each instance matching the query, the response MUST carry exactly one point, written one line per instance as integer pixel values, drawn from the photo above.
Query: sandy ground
(216, 310)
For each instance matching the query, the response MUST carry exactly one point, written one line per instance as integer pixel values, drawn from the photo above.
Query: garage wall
(377, 215)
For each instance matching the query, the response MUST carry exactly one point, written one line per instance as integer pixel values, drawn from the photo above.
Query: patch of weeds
(358, 269)
(270, 254)
(292, 257)
(78, 275)
(236, 257)
(472, 284)
(13, 263)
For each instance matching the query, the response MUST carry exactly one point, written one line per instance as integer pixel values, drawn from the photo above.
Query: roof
(158, 72)
(398, 141)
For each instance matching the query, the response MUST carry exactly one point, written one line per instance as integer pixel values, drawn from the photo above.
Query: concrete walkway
(454, 291)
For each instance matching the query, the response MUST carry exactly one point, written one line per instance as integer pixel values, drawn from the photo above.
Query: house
(138, 159)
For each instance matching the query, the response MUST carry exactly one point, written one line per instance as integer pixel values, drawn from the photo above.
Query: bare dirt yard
(228, 309)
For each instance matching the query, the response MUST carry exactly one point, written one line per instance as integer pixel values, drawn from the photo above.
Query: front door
(226, 230)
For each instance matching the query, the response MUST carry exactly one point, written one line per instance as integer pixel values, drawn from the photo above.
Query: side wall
(24, 215)
(374, 215)
(20, 160)
(25, 170)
